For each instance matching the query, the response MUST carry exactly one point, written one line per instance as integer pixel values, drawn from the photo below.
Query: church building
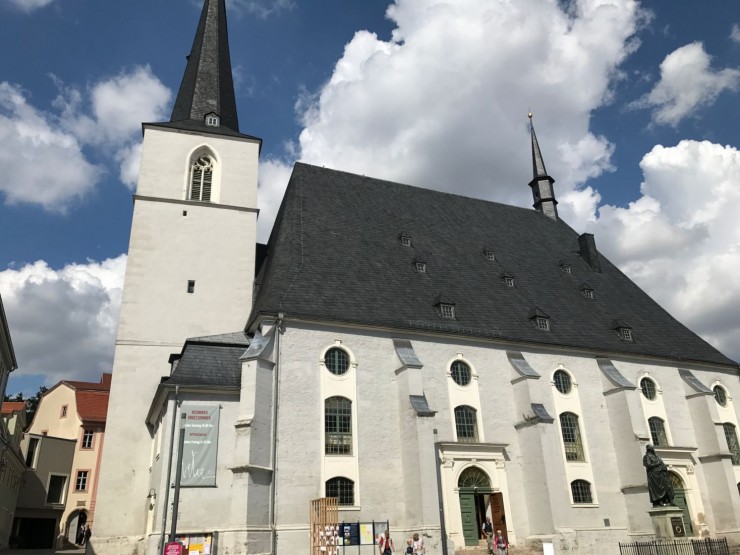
(426, 358)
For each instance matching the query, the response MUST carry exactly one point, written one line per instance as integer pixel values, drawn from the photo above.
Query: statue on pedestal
(658, 481)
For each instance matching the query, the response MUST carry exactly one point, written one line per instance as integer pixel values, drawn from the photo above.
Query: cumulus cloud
(64, 320)
(735, 33)
(30, 5)
(687, 84)
(42, 162)
(44, 152)
(680, 240)
(448, 95)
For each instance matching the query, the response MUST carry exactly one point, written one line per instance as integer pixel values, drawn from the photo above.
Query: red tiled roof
(102, 385)
(92, 406)
(12, 406)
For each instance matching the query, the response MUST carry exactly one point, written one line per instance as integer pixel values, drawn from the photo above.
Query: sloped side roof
(211, 361)
(12, 406)
(102, 385)
(334, 254)
(92, 406)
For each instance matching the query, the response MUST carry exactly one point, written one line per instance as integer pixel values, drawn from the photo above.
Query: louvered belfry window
(201, 178)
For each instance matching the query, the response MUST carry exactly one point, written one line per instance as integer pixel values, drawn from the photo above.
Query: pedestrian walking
(88, 533)
(502, 546)
(385, 545)
(418, 544)
(487, 529)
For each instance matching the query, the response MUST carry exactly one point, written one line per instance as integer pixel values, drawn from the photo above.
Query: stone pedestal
(668, 522)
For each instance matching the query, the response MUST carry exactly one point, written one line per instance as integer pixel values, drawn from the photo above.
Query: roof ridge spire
(541, 184)
(538, 163)
(207, 85)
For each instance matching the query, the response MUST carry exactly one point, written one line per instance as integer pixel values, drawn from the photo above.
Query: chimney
(588, 251)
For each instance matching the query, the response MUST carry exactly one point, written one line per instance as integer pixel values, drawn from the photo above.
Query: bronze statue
(659, 484)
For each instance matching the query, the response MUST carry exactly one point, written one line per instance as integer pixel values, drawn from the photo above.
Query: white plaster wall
(48, 416)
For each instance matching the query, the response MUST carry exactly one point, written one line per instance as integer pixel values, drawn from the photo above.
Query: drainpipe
(169, 472)
(273, 454)
(440, 498)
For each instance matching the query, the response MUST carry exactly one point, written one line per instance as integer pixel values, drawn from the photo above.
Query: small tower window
(191, 286)
(201, 178)
(212, 120)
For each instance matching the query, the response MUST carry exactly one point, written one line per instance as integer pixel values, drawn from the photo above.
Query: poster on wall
(366, 534)
(199, 455)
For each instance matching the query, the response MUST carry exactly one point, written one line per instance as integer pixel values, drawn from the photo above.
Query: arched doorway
(75, 521)
(475, 491)
(679, 491)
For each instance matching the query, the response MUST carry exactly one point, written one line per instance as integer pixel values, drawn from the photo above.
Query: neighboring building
(11, 465)
(410, 352)
(73, 411)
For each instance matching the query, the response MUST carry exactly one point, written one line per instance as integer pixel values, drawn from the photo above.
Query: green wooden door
(469, 525)
(679, 499)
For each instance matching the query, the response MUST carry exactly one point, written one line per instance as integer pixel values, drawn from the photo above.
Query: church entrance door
(498, 514)
(680, 500)
(474, 487)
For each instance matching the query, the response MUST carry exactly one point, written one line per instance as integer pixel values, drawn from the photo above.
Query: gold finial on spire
(529, 115)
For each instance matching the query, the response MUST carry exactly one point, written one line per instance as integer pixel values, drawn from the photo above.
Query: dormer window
(405, 240)
(587, 292)
(201, 178)
(420, 266)
(488, 254)
(212, 120)
(540, 320)
(624, 332)
(447, 310)
(566, 268)
(507, 280)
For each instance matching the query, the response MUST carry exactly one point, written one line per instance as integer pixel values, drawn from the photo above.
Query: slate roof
(207, 85)
(335, 255)
(212, 360)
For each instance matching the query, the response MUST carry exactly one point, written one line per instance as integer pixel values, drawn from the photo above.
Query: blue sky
(635, 108)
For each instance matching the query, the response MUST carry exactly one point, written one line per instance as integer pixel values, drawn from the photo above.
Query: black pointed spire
(207, 86)
(541, 184)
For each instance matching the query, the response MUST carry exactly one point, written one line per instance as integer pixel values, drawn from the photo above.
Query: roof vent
(588, 252)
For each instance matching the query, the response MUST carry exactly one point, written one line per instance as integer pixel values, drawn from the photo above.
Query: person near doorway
(88, 533)
(418, 544)
(80, 535)
(385, 545)
(487, 529)
(502, 546)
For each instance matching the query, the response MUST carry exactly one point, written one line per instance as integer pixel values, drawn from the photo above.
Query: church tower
(190, 269)
(541, 184)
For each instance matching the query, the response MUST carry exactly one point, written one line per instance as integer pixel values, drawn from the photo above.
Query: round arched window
(648, 388)
(460, 372)
(337, 361)
(562, 381)
(720, 395)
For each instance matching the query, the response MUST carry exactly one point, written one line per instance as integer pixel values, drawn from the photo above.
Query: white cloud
(64, 321)
(735, 33)
(687, 83)
(680, 240)
(44, 152)
(30, 5)
(448, 96)
(261, 8)
(42, 162)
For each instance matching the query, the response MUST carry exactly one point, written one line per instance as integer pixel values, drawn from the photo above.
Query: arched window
(731, 437)
(466, 424)
(657, 431)
(571, 437)
(201, 178)
(338, 426)
(341, 488)
(581, 491)
(473, 477)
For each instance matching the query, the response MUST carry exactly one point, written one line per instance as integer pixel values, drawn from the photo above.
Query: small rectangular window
(33, 445)
(509, 281)
(81, 481)
(421, 267)
(63, 414)
(543, 323)
(405, 240)
(191, 286)
(625, 334)
(87, 439)
(447, 310)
